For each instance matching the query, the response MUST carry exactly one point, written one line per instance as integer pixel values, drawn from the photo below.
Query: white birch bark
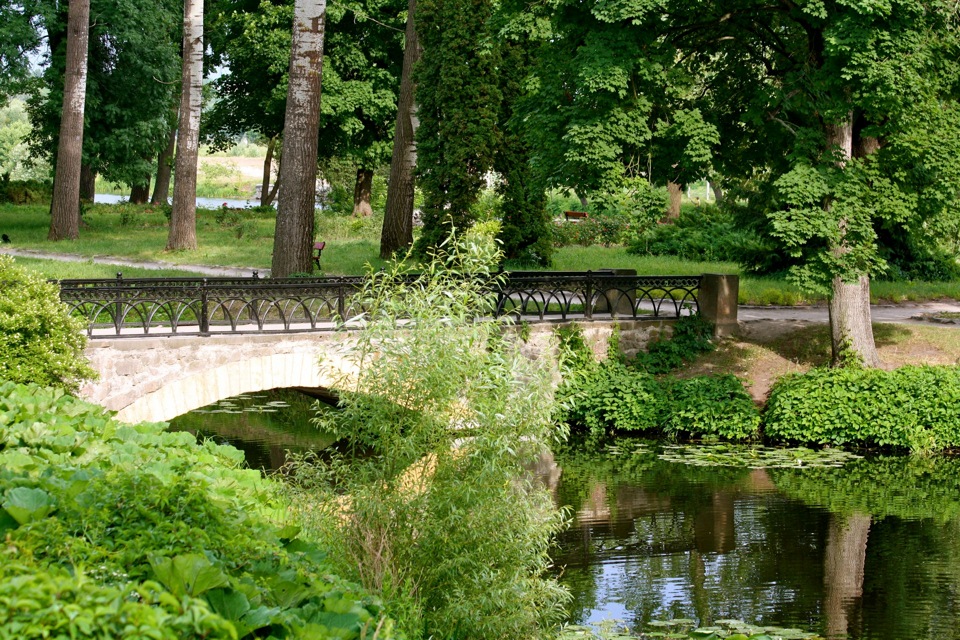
(293, 240)
(183, 219)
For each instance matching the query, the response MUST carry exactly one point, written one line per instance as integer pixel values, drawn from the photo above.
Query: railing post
(341, 301)
(588, 297)
(204, 311)
(118, 306)
(717, 302)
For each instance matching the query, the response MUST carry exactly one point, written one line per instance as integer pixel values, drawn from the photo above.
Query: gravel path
(207, 270)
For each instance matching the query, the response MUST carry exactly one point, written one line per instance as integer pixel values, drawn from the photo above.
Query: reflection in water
(869, 551)
(265, 426)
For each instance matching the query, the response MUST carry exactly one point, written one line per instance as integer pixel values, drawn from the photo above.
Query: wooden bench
(575, 216)
(318, 249)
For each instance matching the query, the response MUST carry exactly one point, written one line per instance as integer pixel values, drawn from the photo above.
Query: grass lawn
(245, 239)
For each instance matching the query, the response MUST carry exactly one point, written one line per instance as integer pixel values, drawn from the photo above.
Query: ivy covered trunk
(88, 183)
(293, 240)
(161, 188)
(851, 324)
(398, 217)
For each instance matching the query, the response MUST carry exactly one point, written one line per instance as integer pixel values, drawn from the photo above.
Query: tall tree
(132, 78)
(458, 100)
(293, 239)
(397, 230)
(183, 219)
(161, 186)
(65, 207)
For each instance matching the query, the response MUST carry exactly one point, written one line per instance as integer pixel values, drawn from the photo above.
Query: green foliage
(915, 408)
(711, 406)
(903, 487)
(440, 516)
(40, 342)
(609, 397)
(57, 603)
(702, 233)
(134, 509)
(458, 104)
(573, 352)
(133, 74)
(692, 336)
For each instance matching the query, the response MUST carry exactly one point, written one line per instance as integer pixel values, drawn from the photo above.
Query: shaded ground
(767, 349)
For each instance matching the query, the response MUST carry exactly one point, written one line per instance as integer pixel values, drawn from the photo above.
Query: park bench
(574, 216)
(318, 249)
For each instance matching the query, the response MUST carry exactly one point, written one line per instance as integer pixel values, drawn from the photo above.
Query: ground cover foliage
(131, 531)
(599, 399)
(912, 408)
(439, 514)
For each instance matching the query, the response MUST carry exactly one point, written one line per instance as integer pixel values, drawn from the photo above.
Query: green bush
(134, 511)
(441, 517)
(25, 191)
(609, 397)
(914, 407)
(691, 337)
(711, 406)
(39, 341)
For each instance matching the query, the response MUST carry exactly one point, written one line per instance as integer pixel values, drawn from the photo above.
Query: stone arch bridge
(154, 365)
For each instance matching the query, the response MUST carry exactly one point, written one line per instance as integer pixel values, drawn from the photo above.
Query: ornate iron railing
(194, 306)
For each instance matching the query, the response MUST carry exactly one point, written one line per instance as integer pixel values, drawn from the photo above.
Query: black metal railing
(130, 307)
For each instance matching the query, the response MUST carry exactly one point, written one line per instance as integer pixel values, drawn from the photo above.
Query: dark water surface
(868, 551)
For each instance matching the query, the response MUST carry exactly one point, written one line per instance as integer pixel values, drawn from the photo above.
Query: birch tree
(183, 219)
(293, 239)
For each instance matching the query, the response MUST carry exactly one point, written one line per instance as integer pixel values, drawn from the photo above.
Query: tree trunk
(140, 193)
(673, 206)
(843, 565)
(183, 219)
(851, 326)
(265, 196)
(65, 206)
(161, 187)
(88, 183)
(293, 239)
(717, 193)
(584, 203)
(362, 192)
(397, 232)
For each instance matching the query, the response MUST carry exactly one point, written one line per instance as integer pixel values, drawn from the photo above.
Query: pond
(869, 550)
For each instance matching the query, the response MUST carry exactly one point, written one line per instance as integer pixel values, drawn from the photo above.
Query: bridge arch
(158, 379)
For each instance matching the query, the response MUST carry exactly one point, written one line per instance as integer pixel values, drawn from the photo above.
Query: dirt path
(207, 270)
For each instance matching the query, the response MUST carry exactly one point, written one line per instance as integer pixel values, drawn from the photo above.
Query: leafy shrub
(39, 341)
(610, 397)
(55, 603)
(25, 191)
(134, 509)
(441, 518)
(691, 337)
(916, 408)
(706, 233)
(711, 406)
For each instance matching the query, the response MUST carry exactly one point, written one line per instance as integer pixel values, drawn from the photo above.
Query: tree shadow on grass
(811, 345)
